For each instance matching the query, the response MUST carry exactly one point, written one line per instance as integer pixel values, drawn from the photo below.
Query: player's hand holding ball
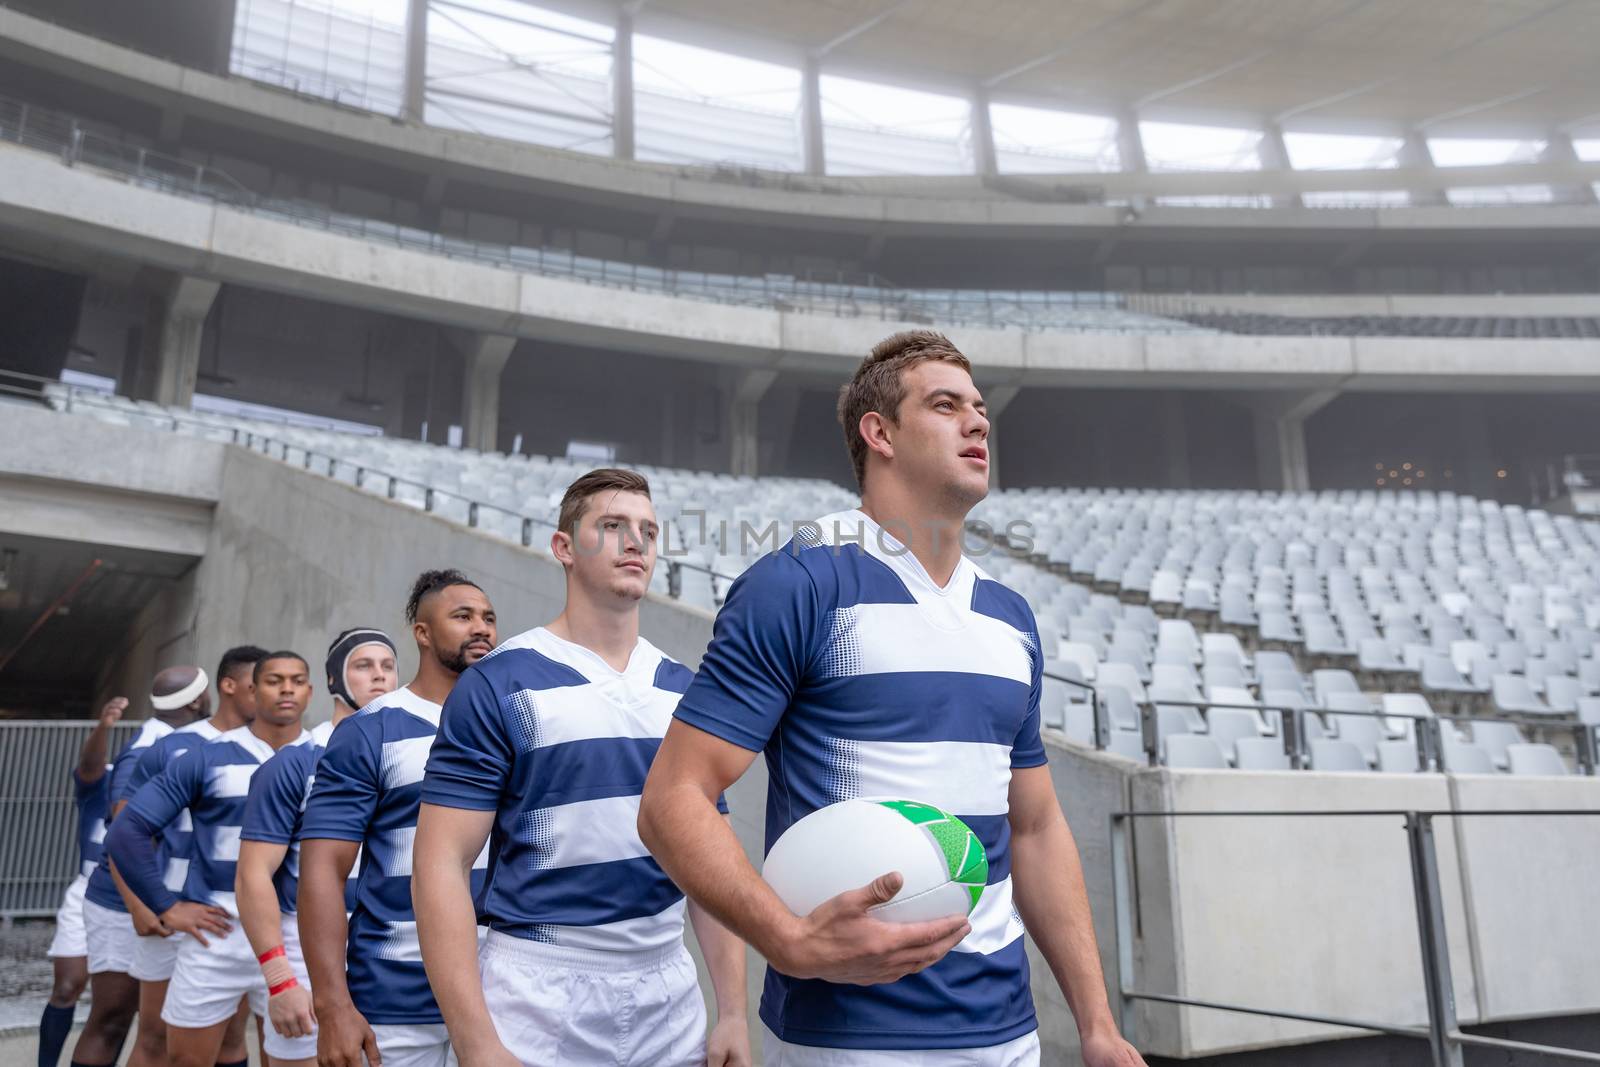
(897, 923)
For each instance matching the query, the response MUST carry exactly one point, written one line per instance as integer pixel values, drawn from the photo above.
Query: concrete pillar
(1275, 156)
(485, 355)
(997, 398)
(1175, 440)
(622, 86)
(983, 153)
(416, 74)
(812, 145)
(1559, 150)
(1414, 155)
(744, 407)
(169, 360)
(1130, 146)
(1280, 431)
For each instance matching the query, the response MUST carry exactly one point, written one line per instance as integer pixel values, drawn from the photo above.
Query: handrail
(1443, 1032)
(266, 444)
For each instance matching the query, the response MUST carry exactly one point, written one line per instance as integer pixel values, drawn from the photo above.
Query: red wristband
(289, 983)
(271, 954)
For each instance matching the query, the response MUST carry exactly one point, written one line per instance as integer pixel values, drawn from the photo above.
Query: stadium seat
(1535, 759)
(1328, 754)
(1495, 738)
(1260, 754)
(1562, 693)
(1327, 682)
(1194, 751)
(1513, 695)
(1397, 757)
(1363, 731)
(1227, 725)
(1463, 757)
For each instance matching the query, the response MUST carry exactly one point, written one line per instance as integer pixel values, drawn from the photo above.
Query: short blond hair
(878, 385)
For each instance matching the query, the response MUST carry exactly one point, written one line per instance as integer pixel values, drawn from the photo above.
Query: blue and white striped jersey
(210, 780)
(101, 889)
(177, 837)
(90, 800)
(859, 677)
(545, 734)
(276, 806)
(368, 789)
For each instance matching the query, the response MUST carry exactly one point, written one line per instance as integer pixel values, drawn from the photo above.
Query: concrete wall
(1295, 914)
(294, 558)
(75, 206)
(1530, 892)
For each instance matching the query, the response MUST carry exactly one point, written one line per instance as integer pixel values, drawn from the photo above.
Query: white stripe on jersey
(588, 831)
(902, 638)
(402, 945)
(583, 713)
(995, 922)
(233, 779)
(177, 874)
(225, 842)
(662, 928)
(969, 777)
(404, 761)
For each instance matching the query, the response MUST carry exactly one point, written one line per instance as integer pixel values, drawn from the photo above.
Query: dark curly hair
(429, 583)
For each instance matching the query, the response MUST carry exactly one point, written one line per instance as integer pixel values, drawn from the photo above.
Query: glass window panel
(694, 105)
(1178, 146)
(348, 51)
(1338, 151)
(1482, 151)
(870, 128)
(508, 69)
(1032, 140)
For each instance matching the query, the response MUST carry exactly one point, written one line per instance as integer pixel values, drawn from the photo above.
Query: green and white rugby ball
(846, 845)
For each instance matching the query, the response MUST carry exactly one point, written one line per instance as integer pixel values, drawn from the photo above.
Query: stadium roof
(1485, 67)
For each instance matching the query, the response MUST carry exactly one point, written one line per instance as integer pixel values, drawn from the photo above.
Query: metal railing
(1443, 1033)
(474, 513)
(1427, 730)
(40, 841)
(77, 142)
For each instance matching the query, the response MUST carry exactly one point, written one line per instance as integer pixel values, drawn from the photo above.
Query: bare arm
(289, 1008)
(97, 746)
(448, 841)
(343, 1036)
(680, 825)
(729, 1042)
(1047, 883)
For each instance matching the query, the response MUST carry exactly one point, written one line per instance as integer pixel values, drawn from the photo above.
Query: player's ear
(875, 432)
(561, 548)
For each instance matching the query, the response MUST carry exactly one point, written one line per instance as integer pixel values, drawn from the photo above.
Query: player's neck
(609, 633)
(932, 533)
(273, 734)
(341, 711)
(227, 717)
(434, 680)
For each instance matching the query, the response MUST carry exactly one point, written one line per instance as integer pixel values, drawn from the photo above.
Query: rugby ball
(846, 845)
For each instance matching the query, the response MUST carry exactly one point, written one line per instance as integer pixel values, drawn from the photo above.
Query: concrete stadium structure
(188, 225)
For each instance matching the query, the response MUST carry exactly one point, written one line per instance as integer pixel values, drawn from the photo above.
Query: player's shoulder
(667, 673)
(994, 598)
(529, 660)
